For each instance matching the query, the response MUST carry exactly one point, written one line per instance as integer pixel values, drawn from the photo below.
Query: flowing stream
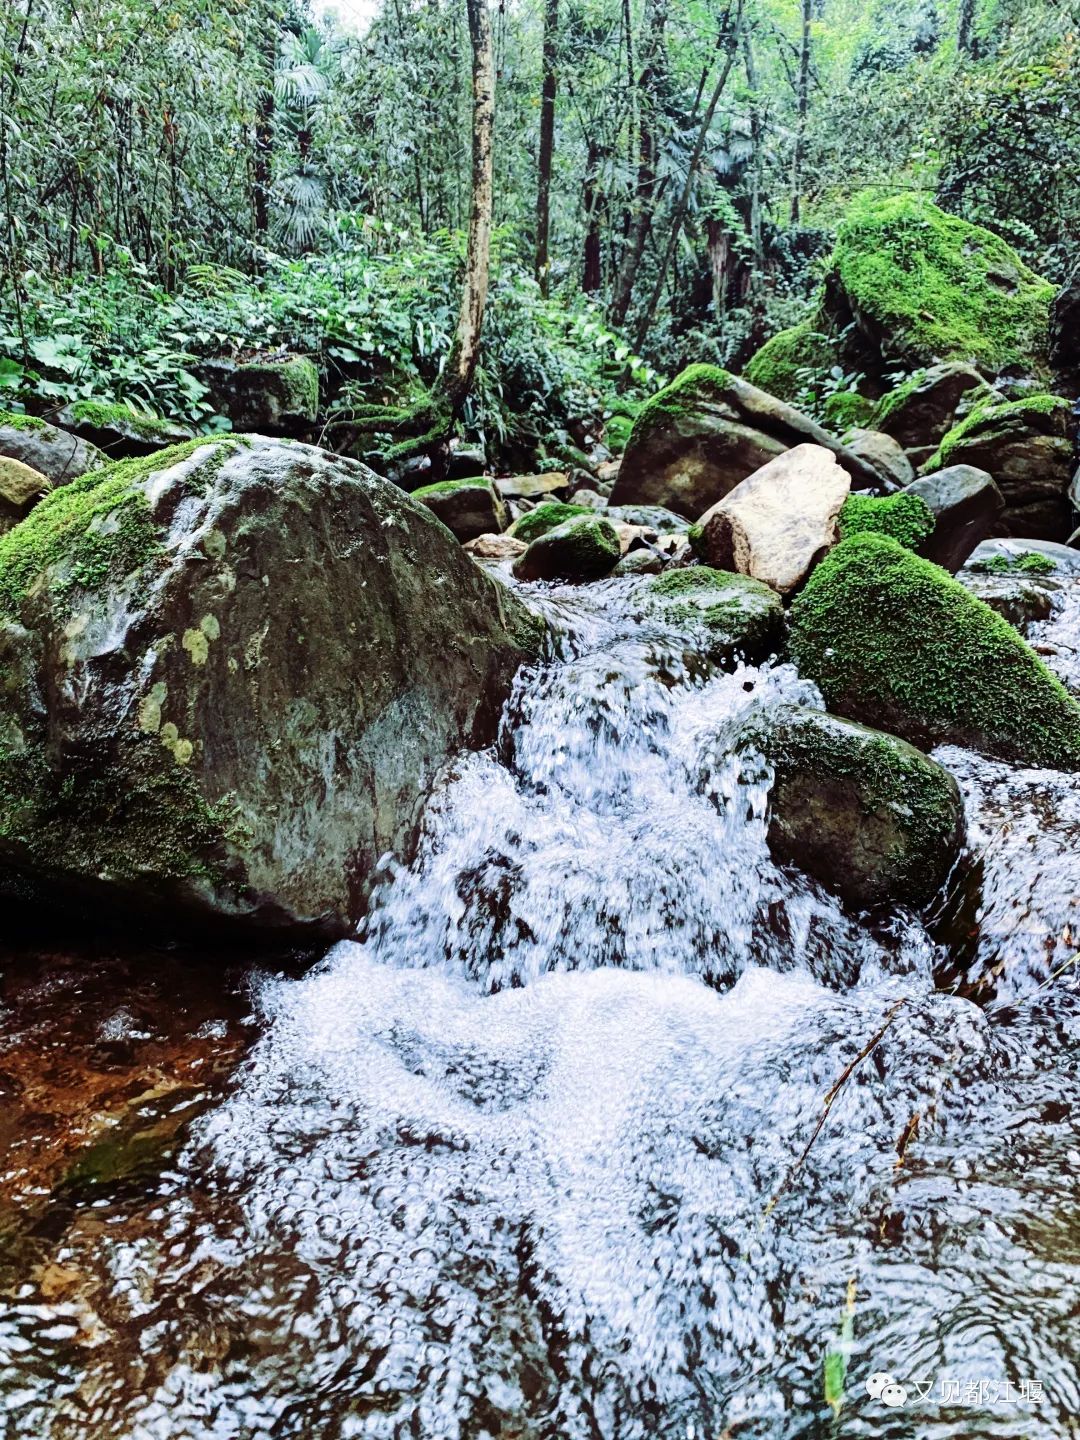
(605, 1128)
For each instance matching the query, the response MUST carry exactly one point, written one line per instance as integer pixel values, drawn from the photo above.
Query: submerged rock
(583, 548)
(270, 397)
(864, 812)
(467, 507)
(777, 523)
(1026, 446)
(733, 616)
(120, 432)
(55, 452)
(233, 671)
(1021, 579)
(966, 505)
(702, 435)
(892, 640)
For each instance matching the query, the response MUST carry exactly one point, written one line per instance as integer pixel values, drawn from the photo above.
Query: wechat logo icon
(881, 1386)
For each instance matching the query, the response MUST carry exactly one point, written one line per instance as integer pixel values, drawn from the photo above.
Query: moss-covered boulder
(467, 507)
(545, 517)
(21, 487)
(863, 812)
(905, 518)
(1027, 446)
(56, 453)
(231, 672)
(727, 616)
(703, 434)
(583, 548)
(119, 430)
(909, 285)
(893, 641)
(279, 396)
(923, 286)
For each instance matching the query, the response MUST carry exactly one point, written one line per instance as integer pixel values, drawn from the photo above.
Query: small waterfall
(605, 1123)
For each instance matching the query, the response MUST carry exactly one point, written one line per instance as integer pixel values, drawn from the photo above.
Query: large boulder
(967, 508)
(278, 396)
(1027, 446)
(730, 617)
(921, 411)
(778, 522)
(21, 487)
(121, 432)
(58, 454)
(909, 286)
(703, 434)
(865, 813)
(584, 548)
(467, 507)
(893, 641)
(918, 286)
(232, 672)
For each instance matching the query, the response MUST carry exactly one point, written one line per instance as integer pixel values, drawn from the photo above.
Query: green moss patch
(997, 419)
(847, 410)
(453, 487)
(584, 548)
(783, 364)
(936, 287)
(105, 415)
(545, 517)
(892, 640)
(906, 519)
(1030, 563)
(99, 528)
(9, 420)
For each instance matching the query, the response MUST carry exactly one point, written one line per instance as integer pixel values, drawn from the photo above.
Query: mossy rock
(545, 517)
(927, 286)
(847, 410)
(1027, 446)
(119, 430)
(895, 642)
(267, 397)
(232, 670)
(731, 616)
(905, 518)
(782, 365)
(865, 813)
(583, 548)
(468, 508)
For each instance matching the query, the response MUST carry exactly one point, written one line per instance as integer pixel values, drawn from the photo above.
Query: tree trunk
(548, 89)
(683, 204)
(803, 101)
(264, 139)
(965, 38)
(465, 351)
(644, 198)
(592, 269)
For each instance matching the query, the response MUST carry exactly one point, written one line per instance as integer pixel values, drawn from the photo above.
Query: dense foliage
(215, 176)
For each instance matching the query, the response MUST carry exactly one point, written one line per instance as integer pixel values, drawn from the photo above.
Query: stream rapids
(605, 1127)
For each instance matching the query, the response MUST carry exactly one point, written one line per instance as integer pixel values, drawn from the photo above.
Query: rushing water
(607, 1128)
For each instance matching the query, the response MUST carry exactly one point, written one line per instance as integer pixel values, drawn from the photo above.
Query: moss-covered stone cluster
(894, 641)
(906, 519)
(995, 419)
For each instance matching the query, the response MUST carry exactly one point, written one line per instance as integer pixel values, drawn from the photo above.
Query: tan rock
(20, 483)
(533, 487)
(779, 521)
(495, 547)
